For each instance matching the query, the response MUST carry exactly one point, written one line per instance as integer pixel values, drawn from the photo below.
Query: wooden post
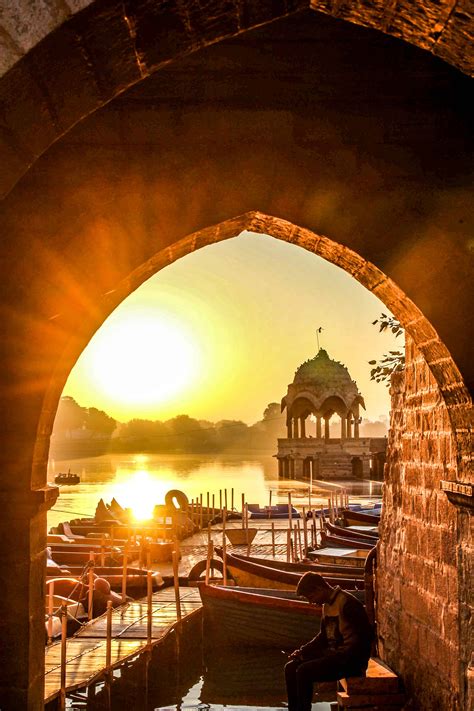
(200, 512)
(108, 648)
(176, 580)
(220, 501)
(224, 549)
(210, 553)
(207, 506)
(62, 692)
(298, 531)
(247, 517)
(225, 499)
(148, 555)
(213, 505)
(90, 596)
(305, 531)
(273, 538)
(290, 514)
(310, 490)
(124, 572)
(243, 510)
(50, 611)
(288, 546)
(270, 504)
(149, 609)
(232, 499)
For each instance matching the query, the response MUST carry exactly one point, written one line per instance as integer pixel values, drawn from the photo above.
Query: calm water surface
(139, 481)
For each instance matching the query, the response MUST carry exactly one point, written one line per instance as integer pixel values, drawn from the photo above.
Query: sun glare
(141, 492)
(142, 359)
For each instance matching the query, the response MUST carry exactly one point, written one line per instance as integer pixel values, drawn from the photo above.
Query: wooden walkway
(86, 650)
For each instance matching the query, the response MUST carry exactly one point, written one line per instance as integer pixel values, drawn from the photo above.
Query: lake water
(139, 481)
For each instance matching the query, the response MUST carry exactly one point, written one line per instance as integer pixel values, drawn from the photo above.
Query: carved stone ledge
(459, 493)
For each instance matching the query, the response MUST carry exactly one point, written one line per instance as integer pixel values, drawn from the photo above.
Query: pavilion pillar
(318, 427)
(295, 428)
(280, 467)
(343, 428)
(349, 426)
(302, 427)
(289, 428)
(356, 427)
(326, 428)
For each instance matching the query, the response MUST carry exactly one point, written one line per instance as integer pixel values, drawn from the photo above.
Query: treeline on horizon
(78, 427)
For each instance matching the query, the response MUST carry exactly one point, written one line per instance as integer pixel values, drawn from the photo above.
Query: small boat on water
(257, 574)
(278, 511)
(136, 577)
(352, 557)
(258, 617)
(329, 571)
(67, 478)
(329, 540)
(354, 518)
(364, 535)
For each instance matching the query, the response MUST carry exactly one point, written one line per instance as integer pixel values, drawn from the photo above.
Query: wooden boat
(67, 478)
(351, 518)
(278, 511)
(339, 556)
(241, 536)
(329, 571)
(136, 577)
(339, 542)
(71, 556)
(249, 573)
(334, 530)
(257, 617)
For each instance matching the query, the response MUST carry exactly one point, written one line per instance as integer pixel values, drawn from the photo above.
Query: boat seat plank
(379, 678)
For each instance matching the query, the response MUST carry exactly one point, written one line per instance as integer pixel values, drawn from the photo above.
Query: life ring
(196, 572)
(177, 500)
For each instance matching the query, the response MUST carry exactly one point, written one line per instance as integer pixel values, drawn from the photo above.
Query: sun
(141, 358)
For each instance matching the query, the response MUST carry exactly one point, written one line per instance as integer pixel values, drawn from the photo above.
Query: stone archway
(38, 106)
(431, 410)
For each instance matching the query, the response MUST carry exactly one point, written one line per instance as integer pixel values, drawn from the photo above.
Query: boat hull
(252, 618)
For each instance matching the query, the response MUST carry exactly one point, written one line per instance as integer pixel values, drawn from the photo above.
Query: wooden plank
(379, 678)
(86, 651)
(381, 700)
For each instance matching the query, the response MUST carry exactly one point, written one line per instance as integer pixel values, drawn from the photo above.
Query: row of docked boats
(260, 606)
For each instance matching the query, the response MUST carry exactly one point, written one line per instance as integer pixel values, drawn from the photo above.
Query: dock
(86, 650)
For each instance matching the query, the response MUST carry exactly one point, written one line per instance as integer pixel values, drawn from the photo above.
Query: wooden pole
(90, 596)
(290, 513)
(210, 552)
(232, 499)
(124, 572)
(207, 505)
(108, 648)
(310, 491)
(224, 551)
(243, 510)
(149, 609)
(200, 512)
(288, 545)
(50, 611)
(305, 531)
(270, 504)
(176, 580)
(273, 538)
(220, 501)
(213, 505)
(62, 692)
(300, 547)
(247, 517)
(225, 499)
(148, 555)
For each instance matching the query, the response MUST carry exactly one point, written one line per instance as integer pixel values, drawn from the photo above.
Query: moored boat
(329, 571)
(259, 575)
(257, 617)
(67, 478)
(329, 540)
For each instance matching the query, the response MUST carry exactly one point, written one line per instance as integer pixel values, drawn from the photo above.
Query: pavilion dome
(323, 373)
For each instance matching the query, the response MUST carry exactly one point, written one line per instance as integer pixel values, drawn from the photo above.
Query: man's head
(313, 587)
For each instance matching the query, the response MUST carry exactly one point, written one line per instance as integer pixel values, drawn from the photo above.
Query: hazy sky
(220, 333)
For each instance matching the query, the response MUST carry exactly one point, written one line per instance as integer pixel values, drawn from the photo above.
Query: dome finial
(318, 331)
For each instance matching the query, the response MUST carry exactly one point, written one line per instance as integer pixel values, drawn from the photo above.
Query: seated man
(341, 649)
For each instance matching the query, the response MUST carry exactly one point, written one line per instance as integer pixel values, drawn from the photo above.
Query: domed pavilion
(322, 388)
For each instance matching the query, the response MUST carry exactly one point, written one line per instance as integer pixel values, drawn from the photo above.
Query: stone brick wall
(419, 590)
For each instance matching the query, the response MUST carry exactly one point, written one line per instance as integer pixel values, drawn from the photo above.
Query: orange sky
(220, 333)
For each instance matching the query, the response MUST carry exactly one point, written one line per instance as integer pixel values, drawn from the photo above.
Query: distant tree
(230, 433)
(99, 422)
(272, 411)
(391, 362)
(69, 416)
